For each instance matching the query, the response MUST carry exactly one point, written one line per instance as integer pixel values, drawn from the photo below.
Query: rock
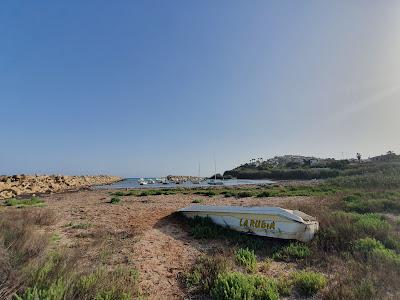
(28, 184)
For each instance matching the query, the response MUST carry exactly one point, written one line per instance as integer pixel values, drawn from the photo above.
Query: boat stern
(309, 231)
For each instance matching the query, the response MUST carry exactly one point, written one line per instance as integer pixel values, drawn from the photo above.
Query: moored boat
(141, 181)
(273, 222)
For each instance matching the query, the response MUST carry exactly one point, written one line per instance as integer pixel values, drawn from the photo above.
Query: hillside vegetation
(305, 168)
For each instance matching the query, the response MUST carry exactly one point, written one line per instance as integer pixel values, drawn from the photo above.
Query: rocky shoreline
(11, 186)
(181, 178)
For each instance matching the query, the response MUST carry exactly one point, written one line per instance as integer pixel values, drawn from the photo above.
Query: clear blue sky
(140, 88)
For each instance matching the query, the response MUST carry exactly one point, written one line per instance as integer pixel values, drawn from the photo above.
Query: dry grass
(20, 243)
(31, 269)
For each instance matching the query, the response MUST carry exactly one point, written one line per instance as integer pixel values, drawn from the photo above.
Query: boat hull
(269, 225)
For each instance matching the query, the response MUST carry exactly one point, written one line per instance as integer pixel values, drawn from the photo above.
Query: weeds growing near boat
(375, 250)
(204, 228)
(247, 259)
(373, 202)
(205, 271)
(292, 252)
(235, 285)
(340, 229)
(309, 282)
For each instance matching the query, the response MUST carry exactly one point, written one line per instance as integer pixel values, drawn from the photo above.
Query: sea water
(130, 183)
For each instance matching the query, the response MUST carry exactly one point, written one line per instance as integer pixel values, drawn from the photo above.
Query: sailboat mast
(215, 169)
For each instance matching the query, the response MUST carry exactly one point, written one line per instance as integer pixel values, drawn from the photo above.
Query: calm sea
(133, 183)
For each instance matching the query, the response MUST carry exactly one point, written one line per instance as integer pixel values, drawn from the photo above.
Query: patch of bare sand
(142, 232)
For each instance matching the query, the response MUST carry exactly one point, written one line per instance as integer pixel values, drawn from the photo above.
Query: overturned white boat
(273, 222)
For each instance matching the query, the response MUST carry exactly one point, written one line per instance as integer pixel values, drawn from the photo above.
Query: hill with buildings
(309, 167)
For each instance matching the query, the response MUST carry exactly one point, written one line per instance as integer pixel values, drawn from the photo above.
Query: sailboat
(215, 181)
(198, 179)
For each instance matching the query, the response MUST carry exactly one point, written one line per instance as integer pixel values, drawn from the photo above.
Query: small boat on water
(151, 181)
(273, 222)
(141, 181)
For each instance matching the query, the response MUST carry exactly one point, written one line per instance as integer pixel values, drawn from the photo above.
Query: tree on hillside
(359, 157)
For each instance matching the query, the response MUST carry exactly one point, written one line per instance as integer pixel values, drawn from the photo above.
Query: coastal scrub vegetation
(115, 200)
(308, 282)
(355, 254)
(293, 251)
(306, 168)
(31, 267)
(359, 235)
(247, 259)
(33, 201)
(239, 192)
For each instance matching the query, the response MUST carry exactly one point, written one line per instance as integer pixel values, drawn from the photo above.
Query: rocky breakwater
(179, 178)
(11, 186)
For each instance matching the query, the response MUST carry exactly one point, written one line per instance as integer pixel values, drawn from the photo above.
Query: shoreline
(23, 185)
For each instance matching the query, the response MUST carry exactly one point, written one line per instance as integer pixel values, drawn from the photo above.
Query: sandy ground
(141, 232)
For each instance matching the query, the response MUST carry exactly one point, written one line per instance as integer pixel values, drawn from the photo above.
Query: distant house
(385, 157)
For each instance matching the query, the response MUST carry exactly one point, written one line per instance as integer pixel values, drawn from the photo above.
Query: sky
(150, 88)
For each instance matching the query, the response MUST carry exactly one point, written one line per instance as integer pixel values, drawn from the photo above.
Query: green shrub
(119, 194)
(115, 200)
(247, 259)
(285, 286)
(340, 229)
(244, 194)
(263, 194)
(198, 201)
(208, 193)
(292, 251)
(237, 286)
(205, 271)
(367, 245)
(24, 202)
(55, 291)
(144, 194)
(385, 176)
(308, 282)
(365, 290)
(373, 202)
(131, 193)
(375, 250)
(230, 194)
(372, 224)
